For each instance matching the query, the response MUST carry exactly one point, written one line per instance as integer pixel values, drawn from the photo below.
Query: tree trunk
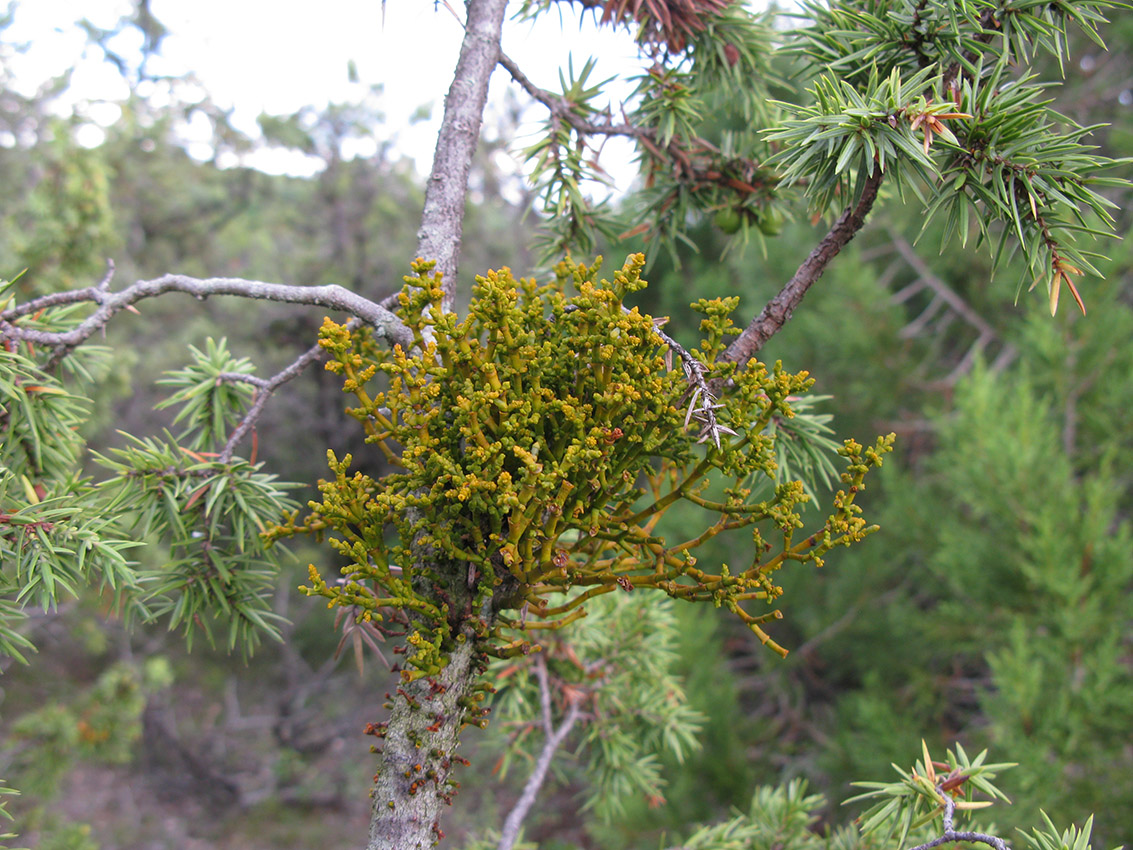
(420, 740)
(418, 756)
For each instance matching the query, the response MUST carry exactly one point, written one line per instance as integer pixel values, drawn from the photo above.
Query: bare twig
(104, 284)
(847, 619)
(779, 309)
(554, 739)
(540, 666)
(442, 220)
(391, 302)
(385, 323)
(560, 107)
(701, 404)
(943, 294)
(917, 325)
(939, 287)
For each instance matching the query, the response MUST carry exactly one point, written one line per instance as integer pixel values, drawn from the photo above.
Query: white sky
(276, 56)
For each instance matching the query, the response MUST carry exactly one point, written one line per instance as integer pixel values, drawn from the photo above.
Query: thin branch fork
(938, 286)
(780, 308)
(265, 387)
(950, 835)
(943, 294)
(385, 323)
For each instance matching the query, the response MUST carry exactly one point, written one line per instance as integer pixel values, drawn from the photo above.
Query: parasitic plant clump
(537, 443)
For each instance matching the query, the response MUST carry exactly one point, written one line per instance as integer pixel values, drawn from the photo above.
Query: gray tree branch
(334, 297)
(938, 286)
(419, 754)
(780, 308)
(442, 220)
(950, 835)
(423, 731)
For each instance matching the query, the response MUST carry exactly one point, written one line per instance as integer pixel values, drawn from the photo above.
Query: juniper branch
(954, 74)
(559, 107)
(681, 155)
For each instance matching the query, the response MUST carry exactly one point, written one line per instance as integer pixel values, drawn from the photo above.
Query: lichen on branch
(538, 442)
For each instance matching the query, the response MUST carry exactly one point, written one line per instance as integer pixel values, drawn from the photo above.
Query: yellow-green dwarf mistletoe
(537, 443)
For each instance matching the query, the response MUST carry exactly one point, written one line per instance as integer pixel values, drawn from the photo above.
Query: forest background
(994, 612)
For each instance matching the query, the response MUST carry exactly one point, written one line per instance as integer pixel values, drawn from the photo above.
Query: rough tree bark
(419, 754)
